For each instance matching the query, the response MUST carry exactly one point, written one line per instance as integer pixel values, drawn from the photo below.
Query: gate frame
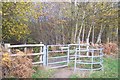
(62, 50)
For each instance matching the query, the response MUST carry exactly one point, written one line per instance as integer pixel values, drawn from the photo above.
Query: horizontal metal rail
(79, 44)
(57, 62)
(26, 45)
(88, 62)
(57, 57)
(59, 51)
(95, 49)
(63, 48)
(37, 62)
(86, 56)
(58, 45)
(30, 54)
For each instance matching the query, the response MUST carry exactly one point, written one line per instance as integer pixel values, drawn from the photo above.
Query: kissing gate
(58, 56)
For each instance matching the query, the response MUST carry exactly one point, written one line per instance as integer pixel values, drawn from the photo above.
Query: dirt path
(63, 73)
(67, 72)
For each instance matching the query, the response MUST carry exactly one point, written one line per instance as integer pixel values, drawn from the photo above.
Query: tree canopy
(59, 23)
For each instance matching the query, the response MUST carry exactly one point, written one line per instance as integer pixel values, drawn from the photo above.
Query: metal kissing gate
(58, 56)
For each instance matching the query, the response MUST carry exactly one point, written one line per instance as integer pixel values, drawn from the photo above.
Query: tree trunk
(76, 29)
(76, 26)
(63, 35)
(100, 34)
(81, 26)
(93, 34)
(89, 33)
(83, 34)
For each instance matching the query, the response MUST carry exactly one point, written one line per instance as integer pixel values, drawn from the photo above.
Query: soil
(67, 72)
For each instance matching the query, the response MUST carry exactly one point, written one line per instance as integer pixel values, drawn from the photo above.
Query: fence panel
(57, 56)
(40, 54)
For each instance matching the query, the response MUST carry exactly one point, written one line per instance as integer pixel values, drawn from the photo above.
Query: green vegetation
(14, 21)
(58, 23)
(42, 73)
(61, 23)
(74, 76)
(71, 64)
(110, 69)
(63, 63)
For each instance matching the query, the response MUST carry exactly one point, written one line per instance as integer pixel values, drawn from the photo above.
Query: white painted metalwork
(41, 54)
(90, 62)
(77, 49)
(62, 48)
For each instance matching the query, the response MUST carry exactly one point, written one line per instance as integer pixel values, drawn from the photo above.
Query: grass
(63, 63)
(74, 76)
(43, 73)
(110, 69)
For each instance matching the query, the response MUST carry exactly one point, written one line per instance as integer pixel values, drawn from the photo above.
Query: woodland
(59, 23)
(55, 23)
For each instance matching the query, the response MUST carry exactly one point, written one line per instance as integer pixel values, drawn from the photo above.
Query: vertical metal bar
(79, 50)
(68, 54)
(47, 53)
(87, 46)
(92, 60)
(40, 56)
(75, 60)
(101, 59)
(7, 47)
(79, 47)
(44, 56)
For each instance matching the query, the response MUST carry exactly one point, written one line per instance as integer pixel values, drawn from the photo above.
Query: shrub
(22, 67)
(18, 66)
(110, 48)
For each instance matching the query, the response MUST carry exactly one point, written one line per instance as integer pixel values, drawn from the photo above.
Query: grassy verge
(110, 70)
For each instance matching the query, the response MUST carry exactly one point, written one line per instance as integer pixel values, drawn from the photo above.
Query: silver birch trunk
(81, 26)
(93, 34)
(89, 33)
(76, 26)
(63, 34)
(76, 29)
(83, 34)
(100, 34)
